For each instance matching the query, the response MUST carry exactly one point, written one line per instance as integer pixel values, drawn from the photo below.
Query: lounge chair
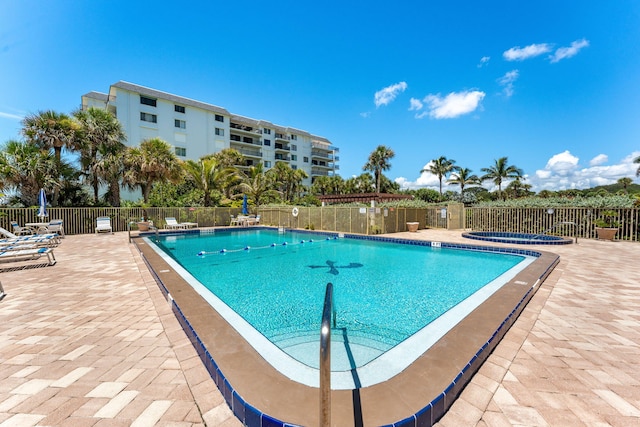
(234, 220)
(27, 254)
(55, 226)
(51, 239)
(173, 224)
(20, 231)
(103, 224)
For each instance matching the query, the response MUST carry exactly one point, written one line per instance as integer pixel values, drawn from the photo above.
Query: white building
(196, 129)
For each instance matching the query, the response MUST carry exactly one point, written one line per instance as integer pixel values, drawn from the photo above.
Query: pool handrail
(328, 314)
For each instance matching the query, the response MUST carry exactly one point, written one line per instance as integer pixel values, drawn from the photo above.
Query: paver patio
(91, 341)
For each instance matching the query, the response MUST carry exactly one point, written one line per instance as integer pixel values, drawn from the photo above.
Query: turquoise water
(383, 292)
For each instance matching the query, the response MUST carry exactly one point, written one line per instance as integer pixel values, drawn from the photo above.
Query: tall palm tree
(637, 160)
(499, 172)
(50, 130)
(25, 169)
(440, 167)
(462, 177)
(208, 174)
(379, 161)
(257, 185)
(152, 162)
(101, 154)
(625, 182)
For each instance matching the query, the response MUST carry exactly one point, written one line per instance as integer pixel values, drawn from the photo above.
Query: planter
(143, 225)
(412, 226)
(606, 233)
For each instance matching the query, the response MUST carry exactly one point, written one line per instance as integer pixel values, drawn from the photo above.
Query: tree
(379, 161)
(25, 169)
(102, 150)
(462, 177)
(50, 130)
(256, 185)
(208, 174)
(637, 160)
(440, 167)
(517, 189)
(362, 183)
(152, 162)
(499, 172)
(625, 182)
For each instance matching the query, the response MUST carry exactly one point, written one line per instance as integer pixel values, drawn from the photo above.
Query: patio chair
(171, 223)
(234, 221)
(20, 231)
(55, 226)
(27, 254)
(103, 225)
(51, 239)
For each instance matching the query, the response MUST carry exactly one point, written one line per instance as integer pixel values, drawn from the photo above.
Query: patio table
(38, 227)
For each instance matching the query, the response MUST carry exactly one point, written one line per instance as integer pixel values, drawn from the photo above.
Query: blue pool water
(384, 293)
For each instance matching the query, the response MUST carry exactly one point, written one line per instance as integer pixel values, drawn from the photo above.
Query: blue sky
(552, 85)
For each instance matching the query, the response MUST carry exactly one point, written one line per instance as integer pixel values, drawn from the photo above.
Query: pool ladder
(328, 321)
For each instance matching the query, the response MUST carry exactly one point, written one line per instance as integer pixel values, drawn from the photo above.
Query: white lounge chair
(173, 224)
(50, 239)
(103, 225)
(27, 254)
(18, 230)
(55, 226)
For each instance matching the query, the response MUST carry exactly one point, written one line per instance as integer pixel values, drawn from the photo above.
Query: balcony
(244, 140)
(244, 129)
(282, 157)
(280, 147)
(318, 154)
(282, 137)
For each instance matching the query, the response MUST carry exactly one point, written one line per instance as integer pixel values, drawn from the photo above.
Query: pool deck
(92, 341)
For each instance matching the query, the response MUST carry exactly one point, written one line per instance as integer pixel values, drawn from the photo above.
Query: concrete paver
(91, 341)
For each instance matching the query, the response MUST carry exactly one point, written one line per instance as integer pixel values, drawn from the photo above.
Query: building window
(294, 157)
(267, 131)
(267, 164)
(180, 124)
(178, 109)
(294, 147)
(305, 159)
(219, 132)
(146, 117)
(294, 137)
(219, 118)
(147, 101)
(181, 151)
(294, 167)
(267, 142)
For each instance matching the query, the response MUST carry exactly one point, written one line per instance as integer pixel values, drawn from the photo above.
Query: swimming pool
(392, 301)
(517, 238)
(420, 394)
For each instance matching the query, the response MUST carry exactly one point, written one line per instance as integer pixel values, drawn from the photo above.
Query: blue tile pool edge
(429, 414)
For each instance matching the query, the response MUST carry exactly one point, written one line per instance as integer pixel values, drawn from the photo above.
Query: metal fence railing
(359, 220)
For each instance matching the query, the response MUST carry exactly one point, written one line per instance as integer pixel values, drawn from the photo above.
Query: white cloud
(10, 116)
(451, 106)
(507, 82)
(415, 104)
(599, 159)
(366, 114)
(567, 52)
(484, 61)
(388, 94)
(520, 54)
(561, 172)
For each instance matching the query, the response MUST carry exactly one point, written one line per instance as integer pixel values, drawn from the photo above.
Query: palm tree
(625, 182)
(256, 185)
(208, 174)
(51, 130)
(152, 162)
(379, 162)
(25, 169)
(102, 151)
(362, 183)
(440, 167)
(462, 177)
(500, 171)
(637, 160)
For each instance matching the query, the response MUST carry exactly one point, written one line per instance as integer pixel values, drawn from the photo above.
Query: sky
(554, 86)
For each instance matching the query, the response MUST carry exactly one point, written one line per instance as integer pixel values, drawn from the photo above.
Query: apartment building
(195, 129)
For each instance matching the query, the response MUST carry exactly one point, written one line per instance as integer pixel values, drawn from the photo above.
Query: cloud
(507, 82)
(567, 52)
(451, 106)
(366, 114)
(599, 159)
(10, 116)
(561, 172)
(388, 94)
(484, 61)
(520, 54)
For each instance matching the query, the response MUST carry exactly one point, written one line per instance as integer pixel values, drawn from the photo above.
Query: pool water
(384, 292)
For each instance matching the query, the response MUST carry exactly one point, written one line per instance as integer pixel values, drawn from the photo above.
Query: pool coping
(259, 395)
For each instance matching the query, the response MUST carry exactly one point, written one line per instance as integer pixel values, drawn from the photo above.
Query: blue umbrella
(245, 209)
(42, 204)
